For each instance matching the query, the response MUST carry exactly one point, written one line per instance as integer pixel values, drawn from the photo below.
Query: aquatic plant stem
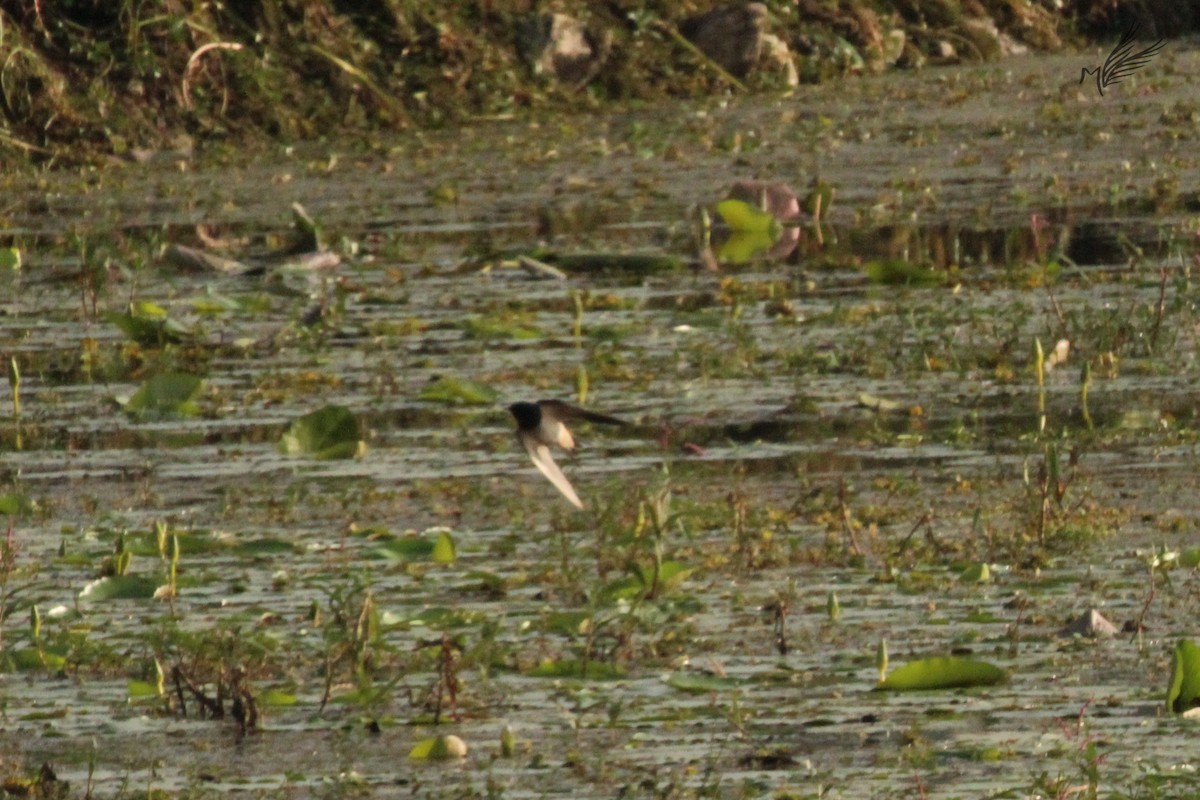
(14, 380)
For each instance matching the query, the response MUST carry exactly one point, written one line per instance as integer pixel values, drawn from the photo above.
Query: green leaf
(13, 504)
(747, 218)
(37, 658)
(275, 698)
(944, 672)
(166, 395)
(897, 272)
(120, 587)
(327, 433)
(263, 547)
(308, 233)
(139, 690)
(641, 580)
(459, 391)
(404, 548)
(745, 246)
(572, 668)
(493, 328)
(443, 549)
(698, 683)
(10, 257)
(976, 573)
(1183, 692)
(148, 325)
(439, 747)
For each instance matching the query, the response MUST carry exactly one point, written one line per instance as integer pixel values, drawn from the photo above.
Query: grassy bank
(87, 78)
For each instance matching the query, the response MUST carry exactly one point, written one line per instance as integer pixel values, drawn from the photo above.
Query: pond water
(803, 429)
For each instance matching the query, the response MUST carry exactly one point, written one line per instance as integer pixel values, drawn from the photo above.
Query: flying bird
(541, 425)
(1122, 61)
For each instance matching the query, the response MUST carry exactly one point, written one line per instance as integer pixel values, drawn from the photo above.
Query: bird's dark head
(527, 415)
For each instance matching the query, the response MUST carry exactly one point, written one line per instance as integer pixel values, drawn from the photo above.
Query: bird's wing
(566, 411)
(1123, 62)
(544, 461)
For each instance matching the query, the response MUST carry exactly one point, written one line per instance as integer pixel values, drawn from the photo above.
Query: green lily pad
(439, 747)
(13, 504)
(747, 218)
(897, 272)
(745, 246)
(141, 690)
(1188, 559)
(641, 580)
(38, 658)
(166, 395)
(698, 683)
(492, 328)
(1183, 692)
(327, 433)
(404, 548)
(148, 325)
(458, 391)
(276, 698)
(976, 573)
(10, 257)
(263, 547)
(120, 587)
(943, 672)
(573, 668)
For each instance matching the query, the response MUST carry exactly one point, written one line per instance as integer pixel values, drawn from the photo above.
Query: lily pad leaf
(140, 690)
(897, 272)
(329, 432)
(976, 573)
(1183, 692)
(439, 747)
(747, 218)
(573, 668)
(944, 672)
(39, 658)
(276, 698)
(120, 587)
(404, 548)
(148, 325)
(743, 247)
(13, 504)
(10, 257)
(493, 328)
(698, 683)
(166, 395)
(459, 391)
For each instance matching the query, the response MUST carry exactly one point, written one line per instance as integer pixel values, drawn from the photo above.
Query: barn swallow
(543, 424)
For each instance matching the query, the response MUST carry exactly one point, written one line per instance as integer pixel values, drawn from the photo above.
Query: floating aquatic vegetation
(459, 391)
(439, 747)
(942, 672)
(327, 433)
(149, 325)
(1183, 688)
(164, 396)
